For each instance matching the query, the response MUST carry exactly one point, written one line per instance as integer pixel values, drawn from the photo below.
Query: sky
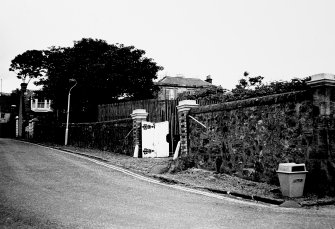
(277, 39)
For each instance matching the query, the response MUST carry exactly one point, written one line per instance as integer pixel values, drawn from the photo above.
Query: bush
(248, 87)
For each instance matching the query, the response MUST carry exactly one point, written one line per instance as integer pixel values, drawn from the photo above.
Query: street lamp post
(68, 111)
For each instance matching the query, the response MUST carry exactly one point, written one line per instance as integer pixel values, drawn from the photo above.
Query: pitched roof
(182, 81)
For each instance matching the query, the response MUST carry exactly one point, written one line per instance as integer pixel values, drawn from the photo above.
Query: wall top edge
(258, 101)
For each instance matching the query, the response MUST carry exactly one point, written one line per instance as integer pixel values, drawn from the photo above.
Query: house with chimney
(171, 87)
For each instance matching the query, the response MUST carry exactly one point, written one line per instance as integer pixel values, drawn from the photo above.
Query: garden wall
(250, 138)
(114, 136)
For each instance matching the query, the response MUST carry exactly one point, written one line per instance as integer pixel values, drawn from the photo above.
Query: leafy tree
(104, 74)
(254, 87)
(249, 82)
(28, 65)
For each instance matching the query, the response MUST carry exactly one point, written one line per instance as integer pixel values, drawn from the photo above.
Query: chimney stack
(209, 79)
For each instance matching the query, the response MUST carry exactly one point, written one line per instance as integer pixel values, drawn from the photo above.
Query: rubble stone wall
(251, 137)
(114, 136)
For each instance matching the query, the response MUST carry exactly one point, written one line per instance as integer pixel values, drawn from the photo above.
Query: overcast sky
(279, 40)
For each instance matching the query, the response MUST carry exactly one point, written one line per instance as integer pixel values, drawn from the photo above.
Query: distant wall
(114, 136)
(47, 132)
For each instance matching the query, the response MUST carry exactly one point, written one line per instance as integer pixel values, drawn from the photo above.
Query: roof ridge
(183, 81)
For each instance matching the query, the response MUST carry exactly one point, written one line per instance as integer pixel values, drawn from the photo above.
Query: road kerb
(171, 182)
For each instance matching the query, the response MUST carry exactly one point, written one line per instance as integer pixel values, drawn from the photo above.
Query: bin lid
(291, 168)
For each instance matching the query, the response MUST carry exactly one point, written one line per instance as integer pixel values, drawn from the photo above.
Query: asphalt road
(46, 188)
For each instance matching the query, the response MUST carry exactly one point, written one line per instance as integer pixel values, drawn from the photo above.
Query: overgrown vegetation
(247, 87)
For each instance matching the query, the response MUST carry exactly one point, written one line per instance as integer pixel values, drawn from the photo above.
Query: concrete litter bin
(292, 178)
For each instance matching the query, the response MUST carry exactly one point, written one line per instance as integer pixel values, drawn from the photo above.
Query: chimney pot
(209, 79)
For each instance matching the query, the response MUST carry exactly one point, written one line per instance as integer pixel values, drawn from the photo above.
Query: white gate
(154, 142)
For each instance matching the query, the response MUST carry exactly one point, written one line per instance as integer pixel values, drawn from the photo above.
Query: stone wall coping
(187, 102)
(186, 105)
(182, 109)
(139, 113)
(258, 101)
(322, 79)
(323, 76)
(103, 122)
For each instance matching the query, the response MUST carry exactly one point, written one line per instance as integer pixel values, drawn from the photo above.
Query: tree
(249, 82)
(254, 87)
(104, 73)
(28, 65)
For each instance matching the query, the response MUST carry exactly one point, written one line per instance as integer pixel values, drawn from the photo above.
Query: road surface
(46, 188)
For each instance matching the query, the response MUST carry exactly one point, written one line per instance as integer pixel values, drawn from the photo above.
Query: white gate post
(138, 116)
(17, 126)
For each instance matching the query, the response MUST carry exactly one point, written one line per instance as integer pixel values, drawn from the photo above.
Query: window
(40, 105)
(170, 94)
